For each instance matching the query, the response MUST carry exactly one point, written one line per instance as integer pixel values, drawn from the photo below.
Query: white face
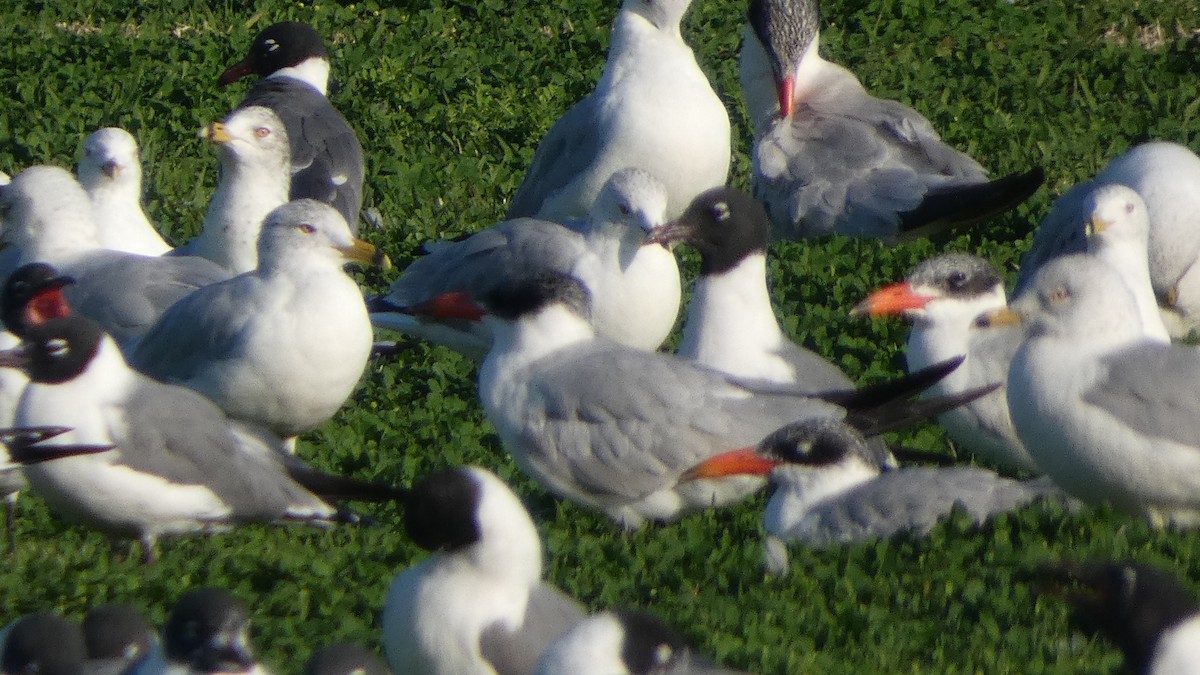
(634, 199)
(258, 132)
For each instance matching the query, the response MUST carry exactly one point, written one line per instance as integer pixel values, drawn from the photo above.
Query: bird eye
(1058, 295)
(720, 211)
(662, 654)
(1129, 207)
(957, 279)
(57, 347)
(625, 210)
(262, 132)
(271, 45)
(306, 228)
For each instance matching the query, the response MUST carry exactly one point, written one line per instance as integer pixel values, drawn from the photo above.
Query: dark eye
(625, 210)
(1129, 207)
(306, 228)
(1058, 295)
(956, 280)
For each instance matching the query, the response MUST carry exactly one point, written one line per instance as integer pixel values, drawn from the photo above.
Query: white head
(664, 15)
(632, 200)
(1080, 299)
(618, 643)
(251, 136)
(307, 231)
(950, 289)
(110, 156)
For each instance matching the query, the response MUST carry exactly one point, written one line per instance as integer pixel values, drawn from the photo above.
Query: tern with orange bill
(832, 487)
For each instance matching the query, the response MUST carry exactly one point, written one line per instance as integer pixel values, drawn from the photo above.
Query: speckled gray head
(823, 441)
(956, 275)
(786, 29)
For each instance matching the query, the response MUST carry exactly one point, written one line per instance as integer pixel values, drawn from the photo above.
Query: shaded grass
(450, 99)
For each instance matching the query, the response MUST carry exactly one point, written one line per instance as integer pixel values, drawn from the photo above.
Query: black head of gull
(208, 630)
(278, 46)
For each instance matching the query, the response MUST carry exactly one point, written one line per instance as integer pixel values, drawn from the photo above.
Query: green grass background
(450, 99)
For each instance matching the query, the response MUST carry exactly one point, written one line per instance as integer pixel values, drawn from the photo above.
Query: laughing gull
(636, 286)
(624, 642)
(1145, 610)
(326, 158)
(1167, 177)
(943, 297)
(833, 488)
(31, 296)
(43, 643)
(478, 603)
(614, 428)
(283, 346)
(829, 158)
(1106, 413)
(653, 108)
(345, 659)
(730, 325)
(49, 219)
(253, 151)
(179, 464)
(111, 172)
(207, 632)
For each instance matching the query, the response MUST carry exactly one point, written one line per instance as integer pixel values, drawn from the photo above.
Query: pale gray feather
(549, 614)
(1154, 389)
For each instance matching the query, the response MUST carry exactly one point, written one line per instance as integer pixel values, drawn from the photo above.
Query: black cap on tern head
(724, 224)
(820, 441)
(43, 643)
(441, 513)
(528, 295)
(278, 46)
(956, 275)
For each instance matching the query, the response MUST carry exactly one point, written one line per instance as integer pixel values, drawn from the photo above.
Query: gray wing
(628, 423)
(850, 163)
(178, 434)
(203, 326)
(550, 613)
(915, 500)
(485, 259)
(327, 159)
(813, 371)
(126, 293)
(1060, 233)
(566, 151)
(1152, 389)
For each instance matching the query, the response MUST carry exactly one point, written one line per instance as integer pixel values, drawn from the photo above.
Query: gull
(178, 464)
(326, 158)
(730, 325)
(829, 158)
(1167, 177)
(116, 636)
(1152, 617)
(943, 297)
(345, 659)
(43, 643)
(1106, 413)
(478, 603)
(48, 217)
(653, 108)
(253, 151)
(635, 285)
(207, 632)
(1117, 232)
(111, 172)
(833, 488)
(283, 346)
(624, 642)
(614, 428)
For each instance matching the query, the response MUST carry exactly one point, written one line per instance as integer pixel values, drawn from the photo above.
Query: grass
(450, 99)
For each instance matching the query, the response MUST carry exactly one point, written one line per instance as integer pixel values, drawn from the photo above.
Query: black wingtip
(901, 414)
(969, 205)
(333, 487)
(883, 393)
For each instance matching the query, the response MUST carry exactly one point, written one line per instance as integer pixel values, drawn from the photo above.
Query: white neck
(1129, 259)
(758, 78)
(730, 323)
(313, 71)
(533, 337)
(1178, 649)
(943, 329)
(801, 488)
(235, 215)
(509, 545)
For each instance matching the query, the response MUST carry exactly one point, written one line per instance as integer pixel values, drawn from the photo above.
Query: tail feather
(967, 205)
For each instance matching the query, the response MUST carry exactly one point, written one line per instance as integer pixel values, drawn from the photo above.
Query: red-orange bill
(892, 300)
(745, 461)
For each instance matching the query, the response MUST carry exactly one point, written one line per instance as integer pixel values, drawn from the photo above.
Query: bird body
(111, 172)
(653, 108)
